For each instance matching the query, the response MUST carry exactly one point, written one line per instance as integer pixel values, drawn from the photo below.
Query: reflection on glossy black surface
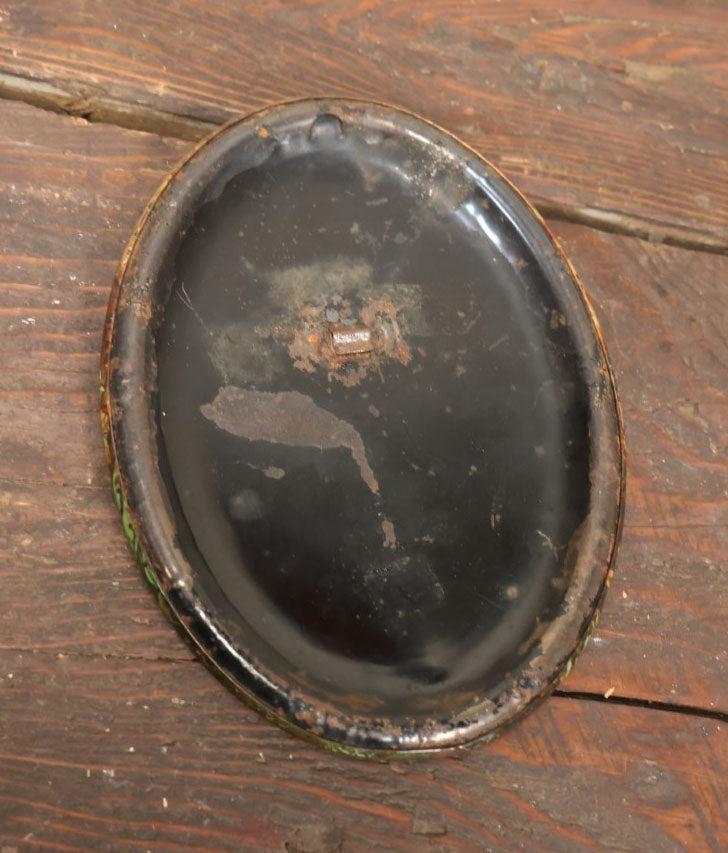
(396, 527)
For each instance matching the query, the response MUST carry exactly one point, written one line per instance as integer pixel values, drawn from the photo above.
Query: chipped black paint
(431, 610)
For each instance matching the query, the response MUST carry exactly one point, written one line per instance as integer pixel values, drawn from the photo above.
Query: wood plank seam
(630, 702)
(74, 101)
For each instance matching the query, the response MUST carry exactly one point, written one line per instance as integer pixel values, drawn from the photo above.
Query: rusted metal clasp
(351, 342)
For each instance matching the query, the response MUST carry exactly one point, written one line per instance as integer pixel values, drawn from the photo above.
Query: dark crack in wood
(93, 106)
(80, 102)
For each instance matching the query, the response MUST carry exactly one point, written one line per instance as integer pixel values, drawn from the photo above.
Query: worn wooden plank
(620, 109)
(70, 193)
(126, 755)
(663, 313)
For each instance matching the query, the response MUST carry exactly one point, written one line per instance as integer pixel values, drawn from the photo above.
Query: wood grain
(619, 112)
(663, 313)
(129, 755)
(70, 194)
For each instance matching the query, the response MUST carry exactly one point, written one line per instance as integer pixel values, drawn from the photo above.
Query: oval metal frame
(127, 383)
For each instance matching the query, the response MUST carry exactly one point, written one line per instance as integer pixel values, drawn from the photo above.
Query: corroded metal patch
(350, 342)
(289, 418)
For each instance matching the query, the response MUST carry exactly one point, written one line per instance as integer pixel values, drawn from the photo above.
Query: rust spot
(382, 316)
(390, 539)
(304, 351)
(348, 343)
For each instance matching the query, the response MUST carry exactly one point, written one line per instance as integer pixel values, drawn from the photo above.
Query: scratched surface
(427, 590)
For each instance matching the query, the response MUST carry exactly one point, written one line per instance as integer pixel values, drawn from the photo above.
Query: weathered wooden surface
(115, 755)
(612, 113)
(663, 312)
